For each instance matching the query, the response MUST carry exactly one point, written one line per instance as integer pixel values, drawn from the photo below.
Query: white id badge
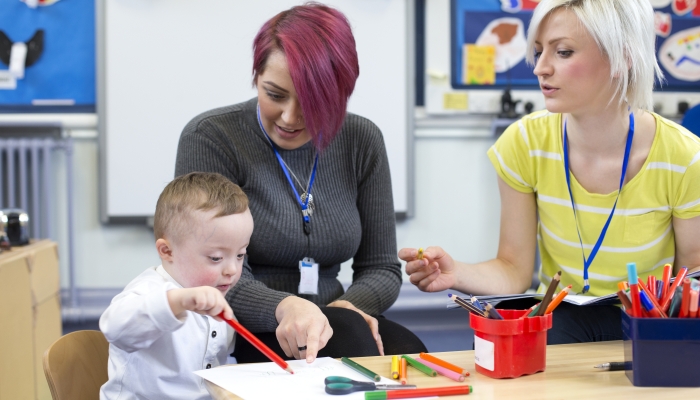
(309, 276)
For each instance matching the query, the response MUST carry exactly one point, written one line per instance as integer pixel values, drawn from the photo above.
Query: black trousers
(351, 338)
(576, 324)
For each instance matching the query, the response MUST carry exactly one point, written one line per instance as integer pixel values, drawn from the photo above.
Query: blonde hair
(624, 32)
(201, 191)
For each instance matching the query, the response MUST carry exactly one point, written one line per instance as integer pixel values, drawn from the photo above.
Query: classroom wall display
(47, 56)
(163, 62)
(500, 27)
(488, 44)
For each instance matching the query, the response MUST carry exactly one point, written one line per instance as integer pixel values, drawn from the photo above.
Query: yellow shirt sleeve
(510, 157)
(687, 199)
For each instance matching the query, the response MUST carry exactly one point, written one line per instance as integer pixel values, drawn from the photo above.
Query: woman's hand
(434, 272)
(301, 324)
(371, 321)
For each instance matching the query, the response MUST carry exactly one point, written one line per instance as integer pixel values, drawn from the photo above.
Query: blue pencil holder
(662, 351)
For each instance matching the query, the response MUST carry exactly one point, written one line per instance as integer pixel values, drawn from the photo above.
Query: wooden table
(569, 375)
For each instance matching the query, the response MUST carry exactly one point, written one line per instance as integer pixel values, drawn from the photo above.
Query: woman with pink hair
(320, 193)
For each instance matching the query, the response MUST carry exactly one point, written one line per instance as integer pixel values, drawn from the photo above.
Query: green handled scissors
(343, 385)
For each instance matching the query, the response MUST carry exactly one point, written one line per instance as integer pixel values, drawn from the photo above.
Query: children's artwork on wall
(503, 24)
(47, 56)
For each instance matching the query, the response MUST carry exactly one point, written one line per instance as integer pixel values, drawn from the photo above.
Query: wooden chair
(76, 365)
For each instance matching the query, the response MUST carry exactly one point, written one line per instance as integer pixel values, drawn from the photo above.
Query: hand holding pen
(432, 270)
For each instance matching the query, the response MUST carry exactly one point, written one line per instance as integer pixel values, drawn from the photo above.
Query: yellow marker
(395, 367)
(420, 254)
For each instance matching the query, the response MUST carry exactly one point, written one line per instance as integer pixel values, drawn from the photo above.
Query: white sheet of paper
(269, 381)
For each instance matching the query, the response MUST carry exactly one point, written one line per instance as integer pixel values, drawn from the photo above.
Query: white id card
(309, 276)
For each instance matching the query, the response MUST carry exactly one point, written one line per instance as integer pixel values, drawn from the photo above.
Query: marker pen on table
(611, 366)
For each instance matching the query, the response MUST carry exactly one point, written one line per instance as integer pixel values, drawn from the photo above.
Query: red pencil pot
(510, 347)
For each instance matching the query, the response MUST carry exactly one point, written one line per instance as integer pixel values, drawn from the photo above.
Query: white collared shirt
(152, 354)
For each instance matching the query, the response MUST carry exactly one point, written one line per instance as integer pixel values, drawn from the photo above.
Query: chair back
(76, 365)
(691, 120)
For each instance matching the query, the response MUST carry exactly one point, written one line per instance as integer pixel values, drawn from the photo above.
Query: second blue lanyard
(587, 262)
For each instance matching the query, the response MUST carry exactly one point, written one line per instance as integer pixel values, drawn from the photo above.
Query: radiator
(27, 182)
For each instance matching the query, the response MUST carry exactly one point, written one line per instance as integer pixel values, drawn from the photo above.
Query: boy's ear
(165, 251)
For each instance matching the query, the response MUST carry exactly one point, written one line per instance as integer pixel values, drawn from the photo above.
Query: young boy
(164, 325)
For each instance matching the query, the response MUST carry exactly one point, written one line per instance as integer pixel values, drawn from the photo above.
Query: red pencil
(258, 344)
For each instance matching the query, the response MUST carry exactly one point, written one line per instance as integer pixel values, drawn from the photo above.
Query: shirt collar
(162, 272)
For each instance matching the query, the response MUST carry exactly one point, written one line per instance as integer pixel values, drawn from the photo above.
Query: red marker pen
(669, 295)
(685, 301)
(634, 290)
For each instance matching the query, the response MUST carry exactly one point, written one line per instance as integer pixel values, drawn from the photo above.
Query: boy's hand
(204, 300)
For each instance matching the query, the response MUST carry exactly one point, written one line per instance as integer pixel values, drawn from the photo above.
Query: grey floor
(440, 330)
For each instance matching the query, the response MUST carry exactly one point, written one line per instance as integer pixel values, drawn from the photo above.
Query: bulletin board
(62, 79)
(503, 25)
(500, 24)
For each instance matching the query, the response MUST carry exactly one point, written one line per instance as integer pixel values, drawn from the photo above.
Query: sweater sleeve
(203, 147)
(376, 268)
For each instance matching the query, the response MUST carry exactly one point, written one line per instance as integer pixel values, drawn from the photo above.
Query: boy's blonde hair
(195, 191)
(624, 32)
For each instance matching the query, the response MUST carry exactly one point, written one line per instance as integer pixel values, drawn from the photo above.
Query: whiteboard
(162, 62)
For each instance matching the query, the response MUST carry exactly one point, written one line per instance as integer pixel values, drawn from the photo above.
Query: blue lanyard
(587, 262)
(304, 204)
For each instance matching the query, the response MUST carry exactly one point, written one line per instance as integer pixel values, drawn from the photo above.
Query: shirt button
(213, 334)
(208, 366)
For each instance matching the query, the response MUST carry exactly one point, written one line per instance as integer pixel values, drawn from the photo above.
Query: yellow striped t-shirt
(529, 158)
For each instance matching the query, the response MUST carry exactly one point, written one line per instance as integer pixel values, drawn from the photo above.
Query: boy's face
(212, 253)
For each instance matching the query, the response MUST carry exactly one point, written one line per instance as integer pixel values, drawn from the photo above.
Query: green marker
(359, 368)
(420, 367)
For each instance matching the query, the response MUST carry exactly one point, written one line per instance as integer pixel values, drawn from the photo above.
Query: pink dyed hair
(320, 49)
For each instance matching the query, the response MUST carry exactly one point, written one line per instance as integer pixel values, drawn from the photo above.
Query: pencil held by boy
(164, 325)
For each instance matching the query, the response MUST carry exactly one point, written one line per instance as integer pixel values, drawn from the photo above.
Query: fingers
(380, 345)
(301, 324)
(284, 343)
(205, 300)
(420, 269)
(374, 328)
(424, 284)
(408, 254)
(313, 338)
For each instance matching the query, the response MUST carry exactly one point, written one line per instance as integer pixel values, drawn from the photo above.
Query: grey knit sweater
(353, 217)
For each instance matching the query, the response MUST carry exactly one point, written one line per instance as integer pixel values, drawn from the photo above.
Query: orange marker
(403, 371)
(557, 300)
(623, 286)
(444, 364)
(668, 270)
